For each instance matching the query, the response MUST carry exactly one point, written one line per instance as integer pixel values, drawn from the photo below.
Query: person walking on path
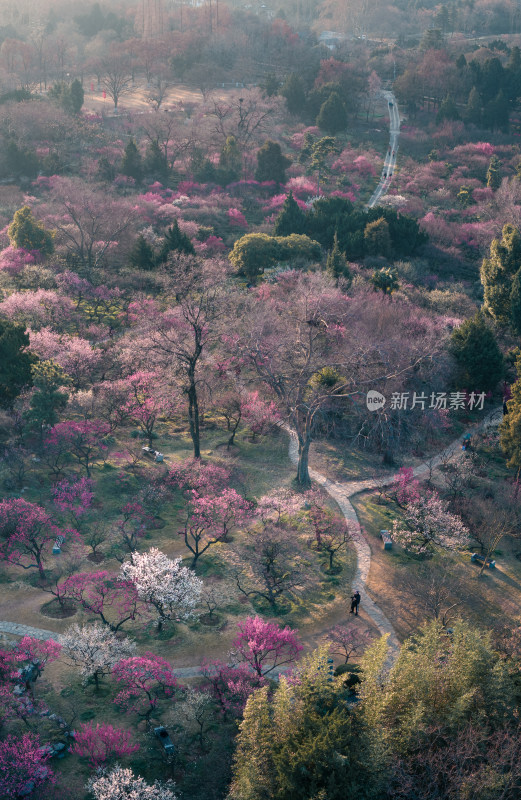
(355, 602)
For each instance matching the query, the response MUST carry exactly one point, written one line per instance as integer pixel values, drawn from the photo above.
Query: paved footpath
(341, 493)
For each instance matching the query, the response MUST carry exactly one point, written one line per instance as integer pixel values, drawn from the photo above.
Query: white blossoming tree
(95, 649)
(173, 590)
(428, 525)
(122, 784)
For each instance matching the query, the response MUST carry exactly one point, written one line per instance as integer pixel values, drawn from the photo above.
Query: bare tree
(435, 591)
(116, 77)
(273, 572)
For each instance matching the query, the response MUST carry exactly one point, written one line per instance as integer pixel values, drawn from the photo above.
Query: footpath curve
(391, 155)
(341, 493)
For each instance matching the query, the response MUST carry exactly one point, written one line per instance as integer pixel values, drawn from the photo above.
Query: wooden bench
(387, 540)
(478, 558)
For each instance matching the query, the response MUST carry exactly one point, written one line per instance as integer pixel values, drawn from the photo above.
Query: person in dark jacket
(355, 602)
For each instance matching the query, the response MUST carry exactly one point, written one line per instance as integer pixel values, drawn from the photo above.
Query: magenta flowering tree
(103, 742)
(14, 259)
(23, 766)
(38, 653)
(39, 308)
(81, 439)
(101, 593)
(147, 400)
(230, 686)
(199, 476)
(75, 355)
(237, 218)
(42, 650)
(260, 415)
(405, 487)
(73, 496)
(211, 518)
(27, 534)
(264, 646)
(146, 680)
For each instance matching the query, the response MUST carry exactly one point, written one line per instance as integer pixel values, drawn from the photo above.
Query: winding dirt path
(341, 493)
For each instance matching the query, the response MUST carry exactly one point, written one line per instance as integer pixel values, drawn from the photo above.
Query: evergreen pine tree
(302, 740)
(77, 96)
(254, 775)
(291, 218)
(271, 85)
(293, 90)
(478, 357)
(105, 171)
(175, 240)
(49, 398)
(15, 361)
(336, 264)
(474, 109)
(496, 113)
(385, 280)
(332, 117)
(494, 173)
(271, 163)
(25, 231)
(142, 255)
(230, 161)
(377, 238)
(132, 165)
(515, 303)
(498, 271)
(432, 39)
(510, 428)
(155, 161)
(448, 110)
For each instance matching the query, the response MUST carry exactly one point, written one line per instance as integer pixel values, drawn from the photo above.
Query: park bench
(478, 558)
(387, 540)
(155, 454)
(162, 734)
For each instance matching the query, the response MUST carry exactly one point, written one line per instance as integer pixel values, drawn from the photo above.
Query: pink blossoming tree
(264, 646)
(211, 518)
(80, 439)
(23, 766)
(27, 534)
(146, 680)
(103, 742)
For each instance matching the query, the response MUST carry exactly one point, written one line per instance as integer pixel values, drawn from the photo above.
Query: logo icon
(374, 400)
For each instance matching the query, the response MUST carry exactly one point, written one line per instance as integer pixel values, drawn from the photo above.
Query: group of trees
(415, 733)
(480, 93)
(379, 231)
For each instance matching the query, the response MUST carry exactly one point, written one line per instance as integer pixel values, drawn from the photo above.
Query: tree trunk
(303, 478)
(193, 417)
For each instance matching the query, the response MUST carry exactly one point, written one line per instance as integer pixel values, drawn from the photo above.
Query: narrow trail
(341, 493)
(391, 155)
